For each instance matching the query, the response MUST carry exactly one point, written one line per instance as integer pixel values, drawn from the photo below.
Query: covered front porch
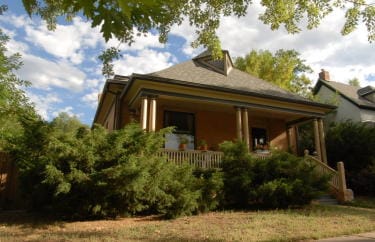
(205, 120)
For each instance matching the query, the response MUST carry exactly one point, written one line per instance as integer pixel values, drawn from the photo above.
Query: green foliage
(353, 143)
(280, 181)
(354, 82)
(306, 138)
(285, 69)
(125, 19)
(210, 183)
(14, 105)
(81, 173)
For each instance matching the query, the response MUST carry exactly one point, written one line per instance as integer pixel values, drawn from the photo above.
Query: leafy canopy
(354, 82)
(125, 19)
(284, 68)
(14, 105)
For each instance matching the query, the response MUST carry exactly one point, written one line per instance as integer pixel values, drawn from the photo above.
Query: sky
(66, 74)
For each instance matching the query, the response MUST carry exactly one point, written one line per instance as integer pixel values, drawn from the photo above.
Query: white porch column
(245, 127)
(322, 140)
(317, 139)
(144, 112)
(239, 123)
(152, 119)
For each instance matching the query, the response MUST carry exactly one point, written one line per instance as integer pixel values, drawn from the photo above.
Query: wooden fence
(8, 182)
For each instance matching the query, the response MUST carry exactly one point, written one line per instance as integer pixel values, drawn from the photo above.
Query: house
(207, 99)
(354, 103)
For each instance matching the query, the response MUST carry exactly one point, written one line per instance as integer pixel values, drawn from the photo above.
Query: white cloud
(344, 57)
(68, 110)
(144, 61)
(188, 33)
(142, 42)
(91, 98)
(45, 74)
(44, 104)
(66, 41)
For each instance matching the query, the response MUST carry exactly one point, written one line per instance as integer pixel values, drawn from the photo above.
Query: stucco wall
(216, 127)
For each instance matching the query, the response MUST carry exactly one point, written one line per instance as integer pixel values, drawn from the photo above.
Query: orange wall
(215, 127)
(276, 131)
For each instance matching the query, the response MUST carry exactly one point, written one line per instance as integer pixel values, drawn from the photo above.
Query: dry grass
(287, 225)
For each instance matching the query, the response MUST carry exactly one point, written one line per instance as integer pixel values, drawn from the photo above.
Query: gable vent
(223, 66)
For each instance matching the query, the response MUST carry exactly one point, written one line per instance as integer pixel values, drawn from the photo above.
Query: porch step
(327, 200)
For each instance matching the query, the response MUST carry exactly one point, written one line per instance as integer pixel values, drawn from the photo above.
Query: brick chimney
(324, 75)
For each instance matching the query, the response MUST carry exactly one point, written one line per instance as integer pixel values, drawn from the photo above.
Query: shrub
(79, 173)
(280, 181)
(210, 184)
(353, 143)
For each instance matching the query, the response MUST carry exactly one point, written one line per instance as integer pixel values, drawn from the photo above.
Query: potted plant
(203, 145)
(183, 139)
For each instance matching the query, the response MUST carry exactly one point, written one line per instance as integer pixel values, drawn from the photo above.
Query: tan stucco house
(209, 100)
(353, 103)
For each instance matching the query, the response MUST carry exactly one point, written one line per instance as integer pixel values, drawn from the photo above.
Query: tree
(14, 105)
(285, 69)
(124, 19)
(354, 82)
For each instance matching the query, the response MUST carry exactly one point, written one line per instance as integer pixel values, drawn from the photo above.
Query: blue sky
(66, 74)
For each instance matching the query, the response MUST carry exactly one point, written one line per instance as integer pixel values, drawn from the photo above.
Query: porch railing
(196, 158)
(324, 169)
(338, 180)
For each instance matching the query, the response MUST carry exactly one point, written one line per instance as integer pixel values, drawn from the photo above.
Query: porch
(200, 158)
(199, 119)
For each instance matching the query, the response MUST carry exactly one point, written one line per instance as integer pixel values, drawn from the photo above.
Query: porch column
(144, 112)
(322, 140)
(152, 119)
(245, 126)
(317, 139)
(239, 123)
(289, 137)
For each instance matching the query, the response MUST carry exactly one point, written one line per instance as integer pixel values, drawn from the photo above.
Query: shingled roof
(347, 91)
(194, 71)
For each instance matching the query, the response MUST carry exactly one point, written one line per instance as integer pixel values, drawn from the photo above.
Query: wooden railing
(324, 169)
(196, 158)
(338, 180)
(261, 155)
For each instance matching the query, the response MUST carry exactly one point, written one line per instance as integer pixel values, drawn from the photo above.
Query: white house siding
(345, 110)
(367, 115)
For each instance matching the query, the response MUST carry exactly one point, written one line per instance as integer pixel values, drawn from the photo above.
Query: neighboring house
(354, 103)
(210, 100)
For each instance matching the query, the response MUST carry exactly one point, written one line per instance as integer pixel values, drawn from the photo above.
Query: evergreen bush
(78, 173)
(353, 143)
(280, 181)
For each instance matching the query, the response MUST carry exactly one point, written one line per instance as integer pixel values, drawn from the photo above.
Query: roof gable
(223, 66)
(351, 93)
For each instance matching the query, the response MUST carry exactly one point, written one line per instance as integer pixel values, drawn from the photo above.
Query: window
(184, 122)
(259, 138)
(184, 125)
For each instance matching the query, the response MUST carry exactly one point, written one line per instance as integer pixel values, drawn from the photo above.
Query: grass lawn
(364, 202)
(316, 221)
